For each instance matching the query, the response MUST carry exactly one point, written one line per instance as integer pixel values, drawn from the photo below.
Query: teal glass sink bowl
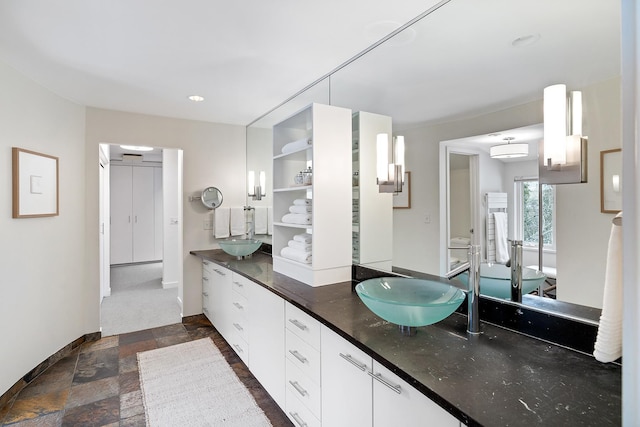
(240, 247)
(495, 280)
(409, 302)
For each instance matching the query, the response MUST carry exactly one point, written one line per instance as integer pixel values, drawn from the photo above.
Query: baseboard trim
(8, 396)
(167, 285)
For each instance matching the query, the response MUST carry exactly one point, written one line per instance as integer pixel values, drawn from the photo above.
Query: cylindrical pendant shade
(508, 151)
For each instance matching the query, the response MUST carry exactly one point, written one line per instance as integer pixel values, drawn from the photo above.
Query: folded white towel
(300, 209)
(297, 145)
(608, 347)
(296, 255)
(261, 218)
(292, 218)
(303, 238)
(221, 223)
(270, 220)
(501, 231)
(237, 221)
(299, 245)
(302, 202)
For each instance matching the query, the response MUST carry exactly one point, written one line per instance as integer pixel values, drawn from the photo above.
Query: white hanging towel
(221, 223)
(502, 229)
(608, 347)
(237, 221)
(261, 219)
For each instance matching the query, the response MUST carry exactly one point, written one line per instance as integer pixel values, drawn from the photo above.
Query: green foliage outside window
(530, 213)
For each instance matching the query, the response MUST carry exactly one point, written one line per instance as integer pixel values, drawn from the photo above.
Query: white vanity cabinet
(218, 300)
(239, 309)
(358, 391)
(302, 358)
(323, 134)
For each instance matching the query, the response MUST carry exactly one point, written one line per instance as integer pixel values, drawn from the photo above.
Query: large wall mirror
(451, 81)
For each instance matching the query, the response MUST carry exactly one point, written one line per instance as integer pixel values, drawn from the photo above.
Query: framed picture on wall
(611, 181)
(403, 200)
(35, 184)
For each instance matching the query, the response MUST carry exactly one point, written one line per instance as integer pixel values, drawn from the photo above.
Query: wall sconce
(563, 152)
(390, 175)
(257, 192)
(616, 183)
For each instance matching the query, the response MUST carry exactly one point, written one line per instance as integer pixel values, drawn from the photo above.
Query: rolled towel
(299, 245)
(296, 255)
(237, 221)
(300, 209)
(261, 219)
(297, 145)
(608, 346)
(302, 202)
(221, 223)
(302, 219)
(303, 238)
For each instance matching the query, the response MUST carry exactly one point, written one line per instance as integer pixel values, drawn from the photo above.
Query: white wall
(172, 219)
(213, 155)
(580, 223)
(42, 302)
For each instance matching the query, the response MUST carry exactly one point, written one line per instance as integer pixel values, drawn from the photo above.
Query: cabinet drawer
(207, 266)
(240, 327)
(298, 413)
(240, 346)
(303, 388)
(305, 357)
(303, 325)
(240, 284)
(239, 305)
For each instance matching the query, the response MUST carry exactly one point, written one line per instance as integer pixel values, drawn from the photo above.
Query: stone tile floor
(98, 384)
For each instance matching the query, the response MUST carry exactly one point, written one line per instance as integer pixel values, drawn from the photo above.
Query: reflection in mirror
(463, 71)
(211, 197)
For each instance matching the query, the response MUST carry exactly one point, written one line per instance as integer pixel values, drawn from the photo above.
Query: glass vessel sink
(409, 302)
(240, 247)
(495, 280)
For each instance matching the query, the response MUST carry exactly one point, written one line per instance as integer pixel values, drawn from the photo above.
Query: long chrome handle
(205, 278)
(299, 324)
(298, 420)
(298, 356)
(298, 388)
(237, 347)
(383, 380)
(238, 284)
(238, 327)
(222, 273)
(206, 294)
(238, 306)
(354, 362)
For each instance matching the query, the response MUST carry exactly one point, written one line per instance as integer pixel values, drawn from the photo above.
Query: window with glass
(527, 199)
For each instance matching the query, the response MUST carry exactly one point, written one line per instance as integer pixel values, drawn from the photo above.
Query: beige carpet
(191, 384)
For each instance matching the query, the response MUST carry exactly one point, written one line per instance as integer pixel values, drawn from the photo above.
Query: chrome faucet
(516, 270)
(250, 225)
(473, 289)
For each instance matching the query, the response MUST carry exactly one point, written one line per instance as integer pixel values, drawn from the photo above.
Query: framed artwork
(611, 181)
(403, 200)
(35, 184)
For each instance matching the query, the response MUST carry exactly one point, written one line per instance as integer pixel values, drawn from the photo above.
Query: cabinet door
(346, 385)
(396, 403)
(266, 338)
(121, 219)
(143, 214)
(221, 300)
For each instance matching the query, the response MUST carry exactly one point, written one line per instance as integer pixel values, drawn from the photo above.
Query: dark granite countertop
(499, 378)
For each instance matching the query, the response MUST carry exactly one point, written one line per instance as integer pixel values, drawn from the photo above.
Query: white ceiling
(245, 57)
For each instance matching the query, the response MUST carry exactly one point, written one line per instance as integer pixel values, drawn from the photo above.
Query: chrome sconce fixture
(509, 150)
(257, 192)
(563, 152)
(390, 175)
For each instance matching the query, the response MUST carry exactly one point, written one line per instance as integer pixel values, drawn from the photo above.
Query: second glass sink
(409, 302)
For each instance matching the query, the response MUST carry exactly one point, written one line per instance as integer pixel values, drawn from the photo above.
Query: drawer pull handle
(299, 324)
(238, 284)
(206, 294)
(220, 272)
(354, 362)
(383, 380)
(238, 306)
(237, 347)
(297, 419)
(238, 327)
(298, 388)
(206, 279)
(298, 356)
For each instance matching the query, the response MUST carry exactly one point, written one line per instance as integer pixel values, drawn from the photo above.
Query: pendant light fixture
(509, 150)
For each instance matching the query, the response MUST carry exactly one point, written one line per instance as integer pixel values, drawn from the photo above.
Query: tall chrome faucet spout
(473, 291)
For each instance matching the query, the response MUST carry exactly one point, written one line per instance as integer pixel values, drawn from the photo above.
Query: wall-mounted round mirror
(211, 197)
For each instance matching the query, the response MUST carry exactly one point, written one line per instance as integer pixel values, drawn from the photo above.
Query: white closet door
(157, 182)
(143, 214)
(121, 218)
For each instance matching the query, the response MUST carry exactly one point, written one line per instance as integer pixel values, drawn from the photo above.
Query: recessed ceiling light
(136, 148)
(527, 40)
(196, 98)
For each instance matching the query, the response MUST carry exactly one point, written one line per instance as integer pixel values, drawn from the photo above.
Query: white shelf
(288, 224)
(292, 188)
